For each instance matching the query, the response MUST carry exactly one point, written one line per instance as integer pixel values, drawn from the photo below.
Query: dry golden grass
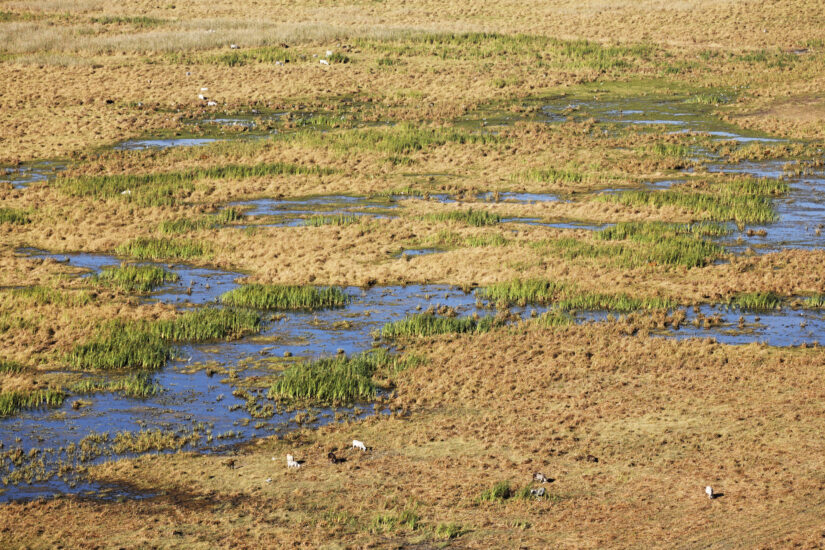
(663, 418)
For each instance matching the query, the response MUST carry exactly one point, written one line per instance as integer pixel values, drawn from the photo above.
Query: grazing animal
(332, 458)
(541, 478)
(537, 492)
(329, 53)
(709, 492)
(229, 463)
(324, 62)
(358, 445)
(202, 97)
(233, 46)
(212, 103)
(291, 462)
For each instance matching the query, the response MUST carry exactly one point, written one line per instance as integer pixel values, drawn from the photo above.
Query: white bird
(709, 492)
(202, 97)
(358, 445)
(204, 89)
(212, 103)
(291, 462)
(233, 46)
(278, 63)
(324, 62)
(127, 192)
(268, 480)
(329, 53)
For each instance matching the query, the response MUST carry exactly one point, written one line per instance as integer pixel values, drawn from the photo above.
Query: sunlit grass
(477, 218)
(15, 401)
(149, 248)
(13, 216)
(427, 324)
(135, 278)
(285, 297)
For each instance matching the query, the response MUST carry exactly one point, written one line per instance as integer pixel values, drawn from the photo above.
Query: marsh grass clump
(817, 301)
(14, 216)
(15, 401)
(139, 386)
(667, 243)
(555, 318)
(427, 324)
(135, 278)
(448, 530)
(285, 297)
(522, 292)
(147, 345)
(499, 492)
(119, 346)
(550, 175)
(592, 301)
(208, 323)
(405, 520)
(756, 301)
(493, 239)
(334, 379)
(268, 54)
(399, 140)
(339, 220)
(186, 225)
(151, 248)
(168, 188)
(744, 200)
(477, 218)
(10, 367)
(685, 251)
(45, 295)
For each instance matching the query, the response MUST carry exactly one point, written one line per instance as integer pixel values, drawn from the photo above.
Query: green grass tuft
(208, 323)
(138, 386)
(340, 219)
(477, 218)
(612, 302)
(10, 367)
(135, 278)
(284, 297)
(427, 324)
(756, 301)
(335, 380)
(522, 292)
(16, 217)
(149, 248)
(168, 188)
(15, 401)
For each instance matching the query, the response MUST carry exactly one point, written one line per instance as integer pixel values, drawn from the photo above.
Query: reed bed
(208, 323)
(135, 278)
(167, 188)
(331, 380)
(46, 295)
(121, 346)
(15, 401)
(427, 324)
(285, 297)
(14, 216)
(522, 292)
(756, 301)
(339, 220)
(477, 218)
(621, 302)
(139, 386)
(151, 248)
(10, 367)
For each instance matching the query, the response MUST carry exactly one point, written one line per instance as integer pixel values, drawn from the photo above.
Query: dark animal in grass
(541, 478)
(334, 459)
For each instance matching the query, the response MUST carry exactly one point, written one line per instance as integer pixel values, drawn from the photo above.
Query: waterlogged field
(486, 241)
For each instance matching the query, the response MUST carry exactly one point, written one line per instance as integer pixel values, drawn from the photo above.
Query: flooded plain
(208, 388)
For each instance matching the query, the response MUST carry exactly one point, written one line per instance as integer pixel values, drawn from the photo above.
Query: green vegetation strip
(341, 219)
(14, 401)
(336, 380)
(150, 248)
(402, 139)
(17, 217)
(285, 297)
(756, 301)
(743, 200)
(427, 324)
(477, 218)
(566, 298)
(185, 225)
(167, 188)
(139, 385)
(147, 345)
(135, 278)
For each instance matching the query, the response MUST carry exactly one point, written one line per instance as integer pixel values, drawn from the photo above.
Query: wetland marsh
(474, 246)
